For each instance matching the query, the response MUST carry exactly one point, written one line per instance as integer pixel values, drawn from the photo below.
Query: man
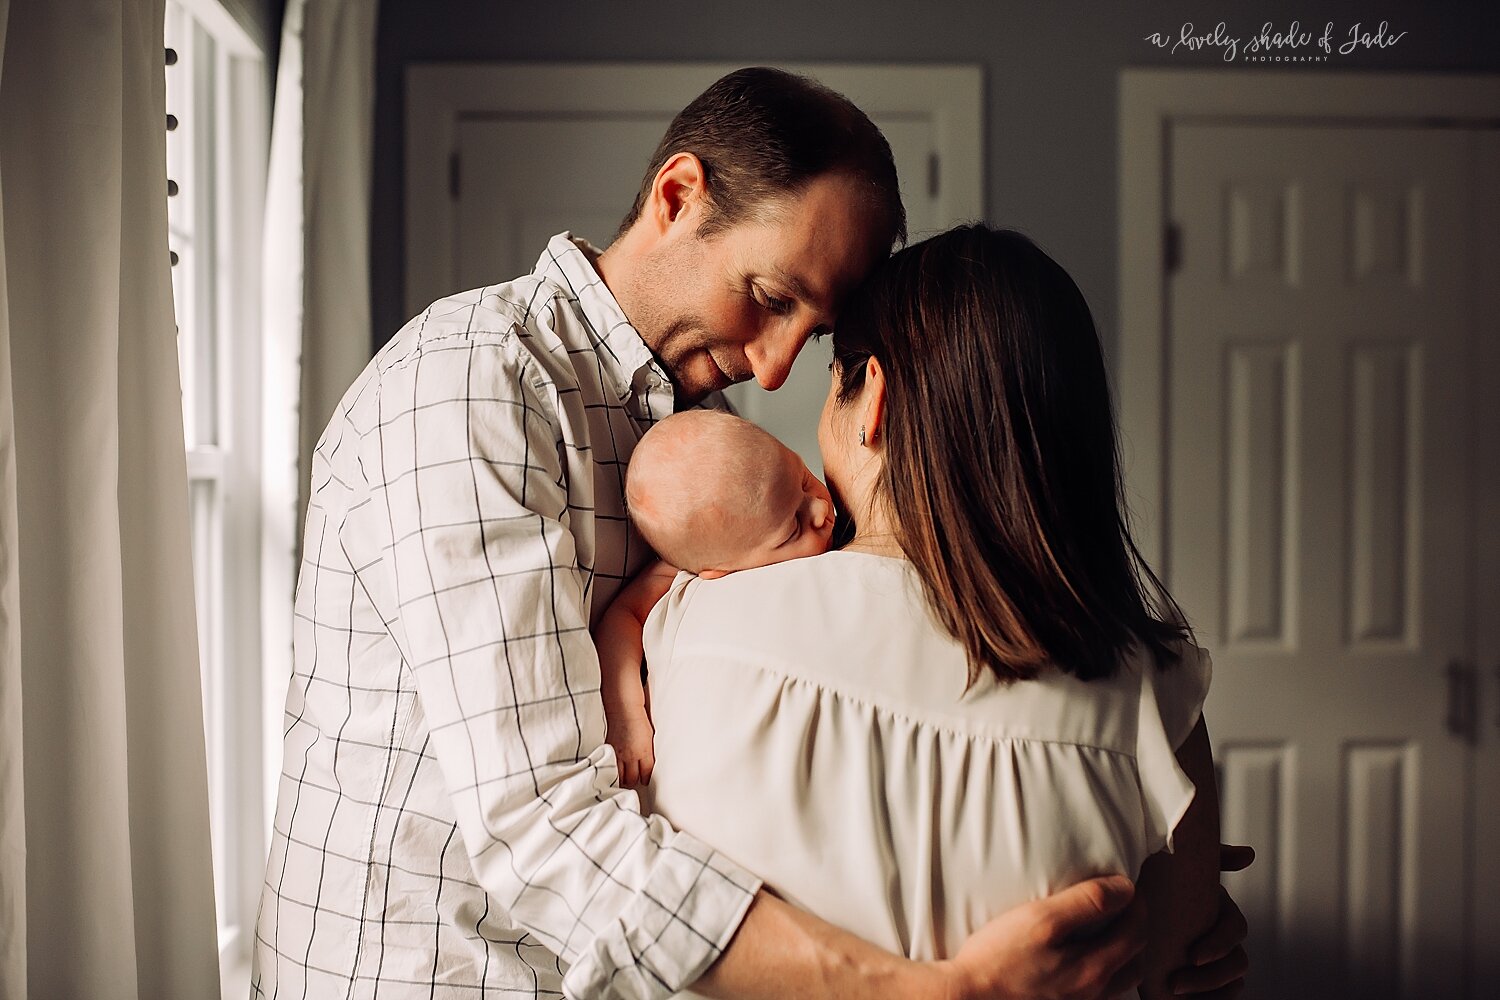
(449, 821)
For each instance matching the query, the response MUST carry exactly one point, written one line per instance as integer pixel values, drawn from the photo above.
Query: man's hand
(1219, 959)
(1078, 944)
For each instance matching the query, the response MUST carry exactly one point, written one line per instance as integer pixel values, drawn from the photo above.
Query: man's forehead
(804, 288)
(816, 272)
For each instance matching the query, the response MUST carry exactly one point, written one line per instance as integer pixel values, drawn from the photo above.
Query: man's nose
(771, 356)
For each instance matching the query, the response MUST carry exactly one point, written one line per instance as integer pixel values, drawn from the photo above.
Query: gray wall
(1051, 73)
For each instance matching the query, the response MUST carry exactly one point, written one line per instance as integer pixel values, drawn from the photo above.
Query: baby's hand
(634, 752)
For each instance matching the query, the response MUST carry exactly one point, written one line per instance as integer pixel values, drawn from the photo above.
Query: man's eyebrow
(795, 285)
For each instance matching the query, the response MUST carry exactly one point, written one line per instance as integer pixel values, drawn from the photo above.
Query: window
(217, 122)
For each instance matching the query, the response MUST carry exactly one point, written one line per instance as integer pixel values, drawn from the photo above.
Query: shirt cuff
(678, 925)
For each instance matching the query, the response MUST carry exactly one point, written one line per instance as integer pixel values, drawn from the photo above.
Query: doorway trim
(1151, 100)
(439, 94)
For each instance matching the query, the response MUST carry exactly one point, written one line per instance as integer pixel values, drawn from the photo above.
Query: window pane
(205, 508)
(205, 320)
(193, 225)
(214, 82)
(180, 217)
(184, 299)
(179, 38)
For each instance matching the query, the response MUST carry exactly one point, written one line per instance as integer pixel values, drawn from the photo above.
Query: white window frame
(232, 644)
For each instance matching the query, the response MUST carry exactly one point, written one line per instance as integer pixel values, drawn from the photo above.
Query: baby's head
(712, 494)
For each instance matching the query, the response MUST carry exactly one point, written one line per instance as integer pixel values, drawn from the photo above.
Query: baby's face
(796, 520)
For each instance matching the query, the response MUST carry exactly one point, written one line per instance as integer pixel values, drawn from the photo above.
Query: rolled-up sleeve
(469, 464)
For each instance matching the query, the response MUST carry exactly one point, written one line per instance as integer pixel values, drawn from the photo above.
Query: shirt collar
(624, 358)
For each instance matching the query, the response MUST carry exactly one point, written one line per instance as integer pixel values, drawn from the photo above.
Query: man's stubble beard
(669, 334)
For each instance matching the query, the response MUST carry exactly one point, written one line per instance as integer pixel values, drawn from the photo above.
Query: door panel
(1317, 528)
(524, 180)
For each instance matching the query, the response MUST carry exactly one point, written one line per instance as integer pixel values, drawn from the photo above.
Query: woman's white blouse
(812, 724)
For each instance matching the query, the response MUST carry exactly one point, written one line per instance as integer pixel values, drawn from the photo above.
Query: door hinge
(1171, 242)
(1463, 700)
(1497, 678)
(933, 174)
(453, 178)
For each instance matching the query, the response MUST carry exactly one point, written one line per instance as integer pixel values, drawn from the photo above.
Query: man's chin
(708, 379)
(721, 378)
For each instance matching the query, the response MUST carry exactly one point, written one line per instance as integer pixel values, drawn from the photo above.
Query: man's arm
(617, 637)
(1075, 945)
(467, 473)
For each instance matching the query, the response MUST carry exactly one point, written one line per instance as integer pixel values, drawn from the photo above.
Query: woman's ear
(679, 188)
(872, 399)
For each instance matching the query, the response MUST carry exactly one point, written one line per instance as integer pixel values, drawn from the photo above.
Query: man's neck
(594, 256)
(611, 262)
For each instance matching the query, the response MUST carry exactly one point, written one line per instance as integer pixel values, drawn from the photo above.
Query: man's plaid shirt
(448, 822)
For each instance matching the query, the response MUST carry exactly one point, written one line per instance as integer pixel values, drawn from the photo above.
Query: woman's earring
(861, 437)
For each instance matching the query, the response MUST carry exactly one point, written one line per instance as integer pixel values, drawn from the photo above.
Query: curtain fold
(317, 291)
(338, 112)
(12, 773)
(112, 894)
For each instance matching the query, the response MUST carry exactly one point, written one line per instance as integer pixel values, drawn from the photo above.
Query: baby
(712, 494)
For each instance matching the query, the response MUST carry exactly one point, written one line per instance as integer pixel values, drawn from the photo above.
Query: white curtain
(317, 272)
(338, 108)
(106, 888)
(318, 210)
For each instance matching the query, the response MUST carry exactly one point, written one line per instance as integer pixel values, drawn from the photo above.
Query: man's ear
(872, 398)
(678, 192)
(713, 574)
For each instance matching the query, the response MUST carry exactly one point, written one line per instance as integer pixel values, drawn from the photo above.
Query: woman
(984, 695)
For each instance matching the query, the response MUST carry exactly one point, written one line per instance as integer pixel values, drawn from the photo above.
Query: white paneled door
(1320, 520)
(1486, 931)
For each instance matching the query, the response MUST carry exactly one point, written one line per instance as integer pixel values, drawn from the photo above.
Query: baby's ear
(713, 574)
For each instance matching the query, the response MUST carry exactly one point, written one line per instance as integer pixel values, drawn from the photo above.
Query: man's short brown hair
(763, 134)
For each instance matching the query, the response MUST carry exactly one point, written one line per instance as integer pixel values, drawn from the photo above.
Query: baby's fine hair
(695, 481)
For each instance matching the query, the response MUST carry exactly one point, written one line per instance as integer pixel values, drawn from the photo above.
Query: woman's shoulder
(835, 619)
(825, 593)
(857, 575)
(802, 604)
(857, 627)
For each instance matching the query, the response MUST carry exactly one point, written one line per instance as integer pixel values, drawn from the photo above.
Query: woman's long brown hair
(1002, 471)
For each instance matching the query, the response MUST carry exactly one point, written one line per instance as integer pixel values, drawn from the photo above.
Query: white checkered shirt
(448, 823)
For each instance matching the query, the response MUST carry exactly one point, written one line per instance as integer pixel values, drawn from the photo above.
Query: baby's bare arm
(618, 640)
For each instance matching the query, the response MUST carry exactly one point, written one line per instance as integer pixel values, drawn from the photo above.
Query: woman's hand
(1219, 959)
(1078, 944)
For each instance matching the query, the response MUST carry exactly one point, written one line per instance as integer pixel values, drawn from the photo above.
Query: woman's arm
(1181, 889)
(1219, 959)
